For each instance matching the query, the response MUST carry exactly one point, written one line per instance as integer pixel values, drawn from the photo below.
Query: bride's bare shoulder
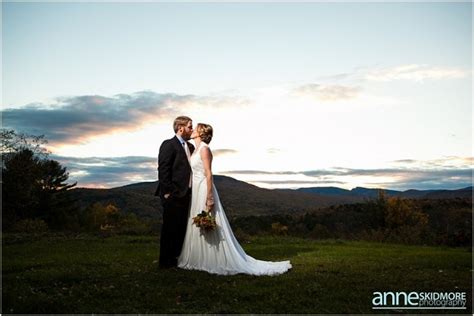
(205, 151)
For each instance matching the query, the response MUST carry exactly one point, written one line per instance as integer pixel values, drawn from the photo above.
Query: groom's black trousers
(173, 231)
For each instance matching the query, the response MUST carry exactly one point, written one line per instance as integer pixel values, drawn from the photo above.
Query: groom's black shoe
(166, 266)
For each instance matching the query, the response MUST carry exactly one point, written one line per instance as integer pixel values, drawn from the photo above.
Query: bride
(216, 251)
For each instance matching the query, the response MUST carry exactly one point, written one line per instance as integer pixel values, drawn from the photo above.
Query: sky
(366, 94)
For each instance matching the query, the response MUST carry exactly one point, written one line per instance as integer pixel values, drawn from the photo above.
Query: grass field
(120, 275)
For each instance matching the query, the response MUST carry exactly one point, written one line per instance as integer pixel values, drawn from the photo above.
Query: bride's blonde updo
(205, 132)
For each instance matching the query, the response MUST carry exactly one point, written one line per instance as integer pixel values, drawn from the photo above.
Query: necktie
(186, 149)
(188, 154)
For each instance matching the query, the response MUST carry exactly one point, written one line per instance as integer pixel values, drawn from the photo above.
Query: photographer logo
(419, 300)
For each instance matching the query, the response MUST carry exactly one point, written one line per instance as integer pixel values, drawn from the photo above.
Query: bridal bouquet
(205, 221)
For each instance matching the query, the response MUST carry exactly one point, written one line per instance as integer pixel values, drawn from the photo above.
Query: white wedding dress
(217, 251)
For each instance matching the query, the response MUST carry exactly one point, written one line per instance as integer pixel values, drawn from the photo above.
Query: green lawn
(121, 275)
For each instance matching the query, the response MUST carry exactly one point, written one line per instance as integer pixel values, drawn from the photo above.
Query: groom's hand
(167, 195)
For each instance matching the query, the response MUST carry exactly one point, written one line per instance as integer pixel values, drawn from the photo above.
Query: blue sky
(370, 86)
(206, 47)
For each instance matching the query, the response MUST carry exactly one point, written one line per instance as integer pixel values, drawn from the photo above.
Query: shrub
(132, 225)
(241, 236)
(320, 232)
(31, 226)
(279, 229)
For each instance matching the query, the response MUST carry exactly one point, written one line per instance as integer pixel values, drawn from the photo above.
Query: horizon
(283, 188)
(304, 95)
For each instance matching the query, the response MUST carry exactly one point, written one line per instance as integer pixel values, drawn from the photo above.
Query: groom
(174, 190)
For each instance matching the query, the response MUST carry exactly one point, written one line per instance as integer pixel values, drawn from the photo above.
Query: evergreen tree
(31, 183)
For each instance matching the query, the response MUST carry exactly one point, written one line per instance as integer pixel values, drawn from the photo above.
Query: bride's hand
(210, 203)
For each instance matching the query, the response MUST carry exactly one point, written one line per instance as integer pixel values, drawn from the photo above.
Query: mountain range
(373, 193)
(243, 199)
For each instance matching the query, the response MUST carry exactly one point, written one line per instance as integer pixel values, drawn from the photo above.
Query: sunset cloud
(221, 152)
(436, 174)
(407, 72)
(108, 172)
(415, 72)
(111, 172)
(74, 120)
(325, 92)
(445, 162)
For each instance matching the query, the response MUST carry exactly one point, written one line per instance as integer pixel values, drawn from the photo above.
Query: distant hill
(373, 193)
(238, 198)
(242, 199)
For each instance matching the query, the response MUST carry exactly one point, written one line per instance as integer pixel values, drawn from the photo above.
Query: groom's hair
(180, 121)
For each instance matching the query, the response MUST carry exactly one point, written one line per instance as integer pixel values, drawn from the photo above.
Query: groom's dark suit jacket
(174, 170)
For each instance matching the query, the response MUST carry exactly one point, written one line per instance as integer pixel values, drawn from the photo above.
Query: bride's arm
(206, 156)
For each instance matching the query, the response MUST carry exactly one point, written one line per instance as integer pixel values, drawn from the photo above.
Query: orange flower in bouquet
(205, 221)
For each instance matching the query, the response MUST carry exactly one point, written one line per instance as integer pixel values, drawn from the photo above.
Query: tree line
(385, 219)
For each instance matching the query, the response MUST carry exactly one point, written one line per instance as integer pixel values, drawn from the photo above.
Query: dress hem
(281, 270)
